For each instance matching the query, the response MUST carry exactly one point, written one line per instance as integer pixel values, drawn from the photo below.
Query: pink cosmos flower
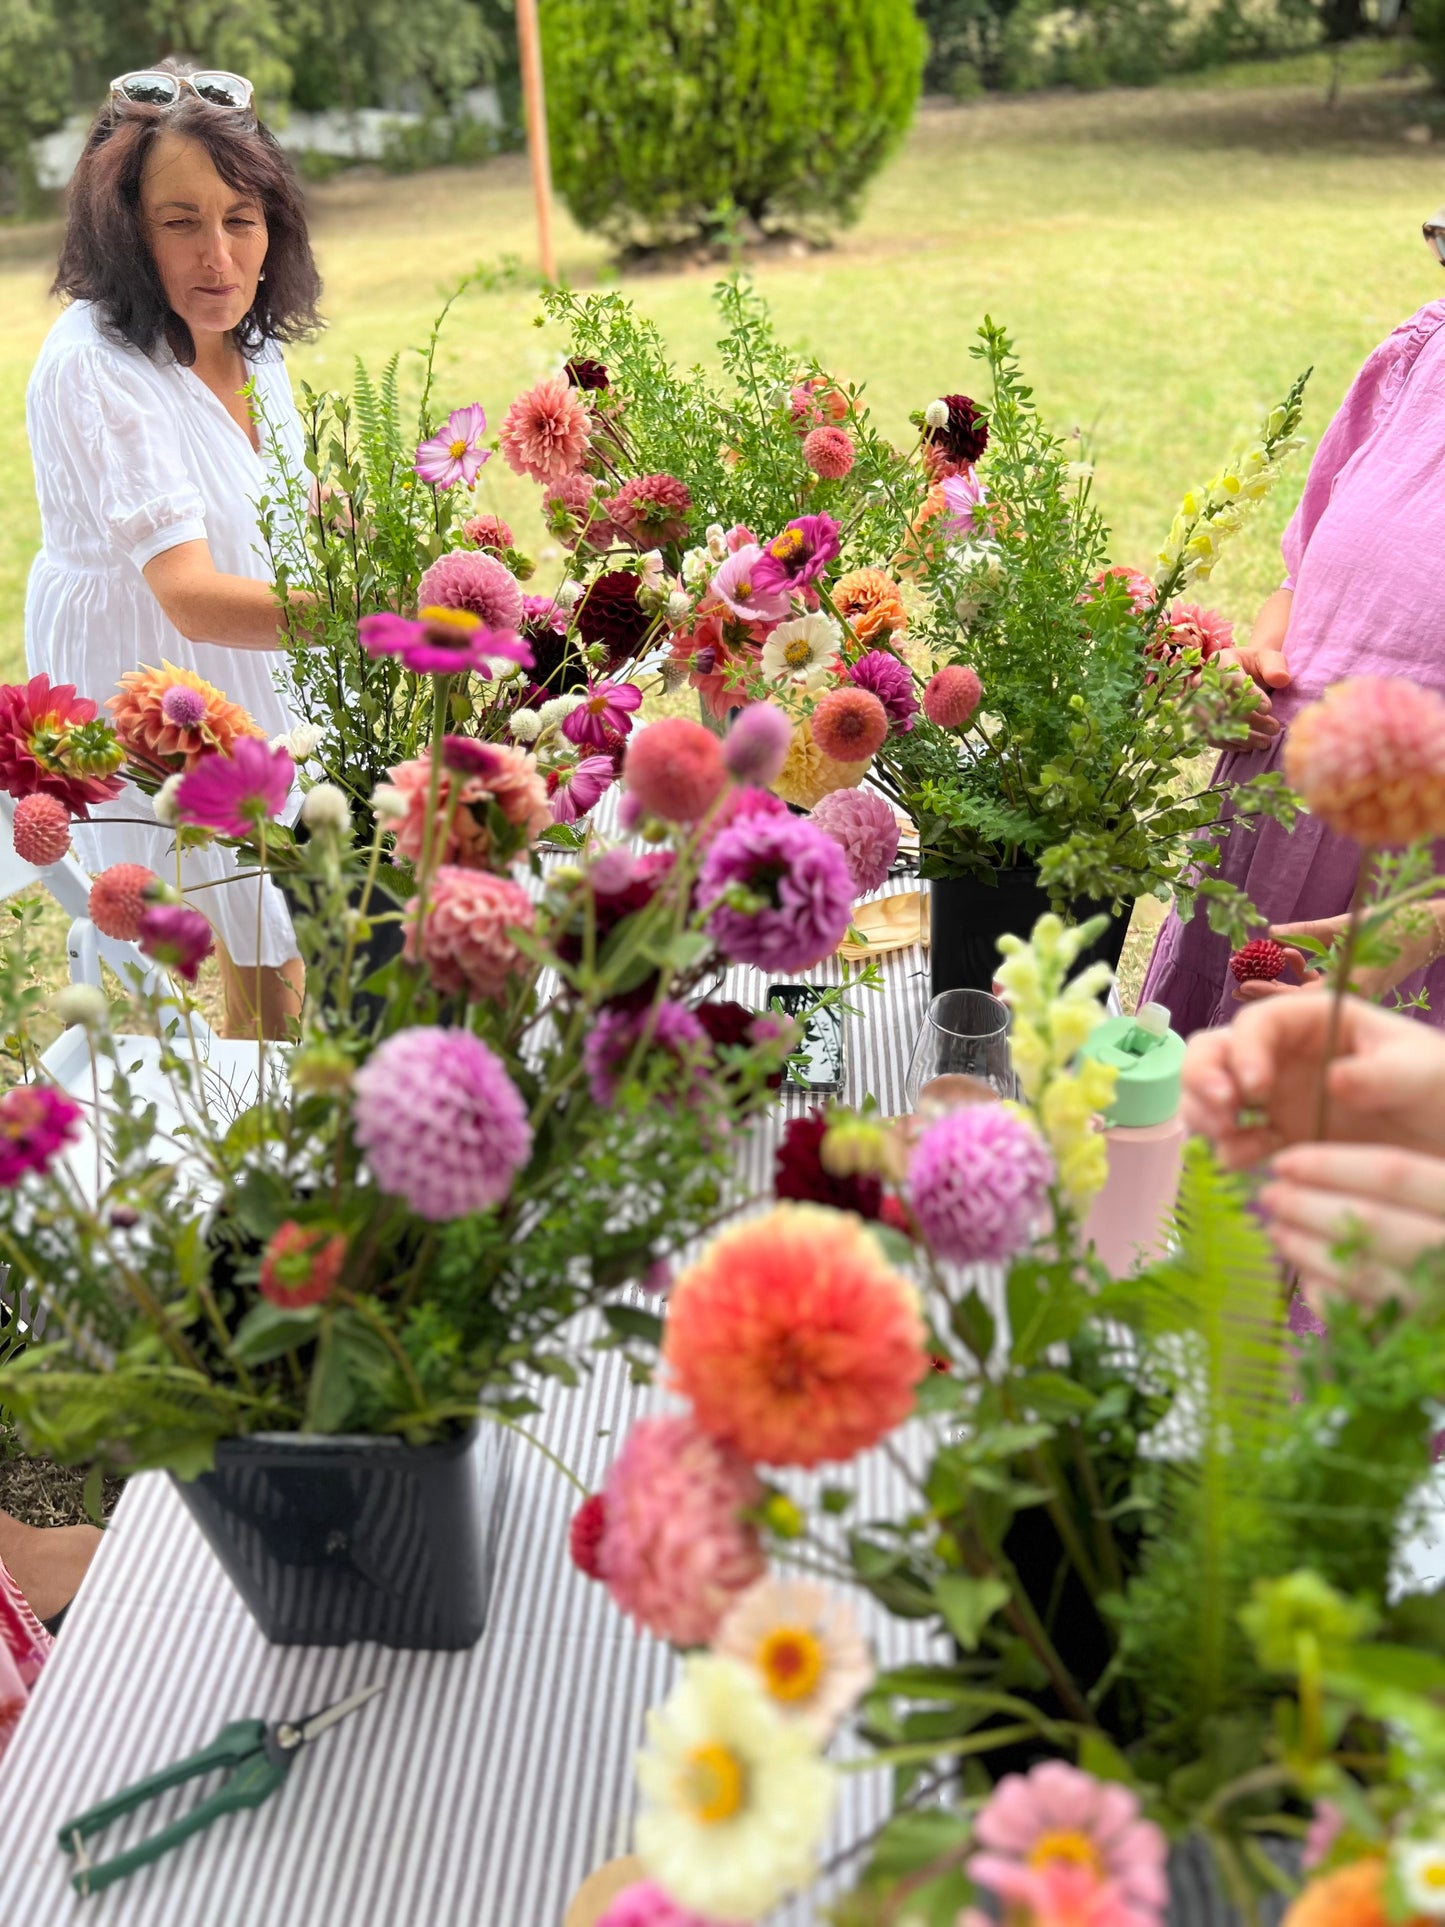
(546, 432)
(232, 794)
(736, 586)
(179, 938)
(443, 642)
(606, 706)
(646, 1905)
(35, 1123)
(1071, 1850)
(455, 453)
(799, 555)
(963, 494)
(576, 789)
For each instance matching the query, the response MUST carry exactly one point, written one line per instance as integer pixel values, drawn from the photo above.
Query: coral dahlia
(41, 829)
(951, 696)
(651, 509)
(865, 829)
(675, 769)
(795, 1340)
(513, 783)
(51, 744)
(871, 603)
(35, 1122)
(155, 731)
(1369, 760)
(546, 433)
(850, 725)
(465, 938)
(828, 451)
(472, 580)
(978, 1181)
(488, 532)
(1187, 626)
(779, 891)
(119, 897)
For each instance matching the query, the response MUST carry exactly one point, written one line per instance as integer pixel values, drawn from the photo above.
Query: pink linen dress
(24, 1648)
(1365, 553)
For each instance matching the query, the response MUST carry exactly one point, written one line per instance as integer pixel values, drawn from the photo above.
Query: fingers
(1354, 1217)
(1322, 1277)
(1269, 667)
(1319, 929)
(1405, 1180)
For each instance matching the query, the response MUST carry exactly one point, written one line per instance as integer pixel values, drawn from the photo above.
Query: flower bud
(936, 415)
(325, 808)
(388, 803)
(81, 1004)
(679, 606)
(782, 1517)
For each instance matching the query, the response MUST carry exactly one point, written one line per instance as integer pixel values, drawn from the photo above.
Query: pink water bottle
(1145, 1135)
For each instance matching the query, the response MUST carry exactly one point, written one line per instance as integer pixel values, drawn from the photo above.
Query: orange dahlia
(171, 718)
(1369, 760)
(1352, 1897)
(795, 1339)
(871, 603)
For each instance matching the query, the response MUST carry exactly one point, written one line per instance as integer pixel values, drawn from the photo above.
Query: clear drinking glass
(962, 1055)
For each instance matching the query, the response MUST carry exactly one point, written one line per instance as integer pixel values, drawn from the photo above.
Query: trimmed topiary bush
(677, 118)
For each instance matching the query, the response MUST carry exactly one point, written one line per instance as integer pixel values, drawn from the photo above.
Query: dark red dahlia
(731, 1026)
(1260, 961)
(584, 1535)
(51, 744)
(556, 666)
(584, 373)
(800, 1172)
(613, 907)
(611, 614)
(964, 436)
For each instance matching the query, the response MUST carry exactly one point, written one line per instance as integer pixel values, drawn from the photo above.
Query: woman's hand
(1379, 1210)
(1253, 1087)
(1414, 934)
(1266, 669)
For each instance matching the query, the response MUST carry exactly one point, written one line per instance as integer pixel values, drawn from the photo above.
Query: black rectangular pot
(968, 916)
(334, 1539)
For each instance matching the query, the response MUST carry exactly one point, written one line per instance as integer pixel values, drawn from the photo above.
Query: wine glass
(961, 1056)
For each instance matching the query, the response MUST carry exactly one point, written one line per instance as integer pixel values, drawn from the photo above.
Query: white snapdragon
(697, 567)
(717, 541)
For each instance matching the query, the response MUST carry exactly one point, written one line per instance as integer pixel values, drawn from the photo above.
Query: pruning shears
(256, 1755)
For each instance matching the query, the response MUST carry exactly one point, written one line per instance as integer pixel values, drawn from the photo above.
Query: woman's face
(207, 239)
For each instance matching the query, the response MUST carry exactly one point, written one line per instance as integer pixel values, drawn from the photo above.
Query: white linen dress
(134, 456)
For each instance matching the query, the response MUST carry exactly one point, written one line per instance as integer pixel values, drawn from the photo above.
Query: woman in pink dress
(1364, 596)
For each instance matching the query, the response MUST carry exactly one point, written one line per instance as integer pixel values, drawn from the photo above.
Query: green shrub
(677, 118)
(1428, 20)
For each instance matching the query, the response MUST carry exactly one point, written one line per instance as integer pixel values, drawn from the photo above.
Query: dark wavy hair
(106, 257)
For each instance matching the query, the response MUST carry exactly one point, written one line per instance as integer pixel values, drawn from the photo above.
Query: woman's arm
(206, 606)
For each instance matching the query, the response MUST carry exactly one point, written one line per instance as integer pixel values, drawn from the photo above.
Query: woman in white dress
(186, 263)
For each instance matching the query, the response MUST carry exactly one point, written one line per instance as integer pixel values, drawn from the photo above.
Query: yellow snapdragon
(1209, 516)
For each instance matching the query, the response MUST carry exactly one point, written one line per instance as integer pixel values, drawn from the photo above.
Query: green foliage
(1427, 18)
(675, 118)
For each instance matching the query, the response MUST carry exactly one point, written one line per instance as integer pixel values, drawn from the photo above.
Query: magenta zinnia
(443, 642)
(456, 452)
(779, 891)
(233, 794)
(798, 556)
(35, 1123)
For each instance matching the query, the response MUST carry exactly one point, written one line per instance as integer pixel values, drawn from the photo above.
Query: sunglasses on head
(1435, 240)
(147, 88)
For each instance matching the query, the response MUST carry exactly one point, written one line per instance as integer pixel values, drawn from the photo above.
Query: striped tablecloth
(481, 1787)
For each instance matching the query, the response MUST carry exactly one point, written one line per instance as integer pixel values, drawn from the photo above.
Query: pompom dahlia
(41, 829)
(471, 580)
(489, 533)
(513, 783)
(51, 744)
(891, 681)
(301, 1264)
(547, 432)
(442, 1125)
(176, 937)
(675, 769)
(1058, 1820)
(119, 897)
(871, 603)
(674, 1032)
(35, 1122)
(978, 1181)
(795, 1340)
(146, 718)
(234, 794)
(779, 891)
(651, 509)
(828, 451)
(951, 696)
(798, 556)
(963, 437)
(807, 775)
(676, 1549)
(850, 724)
(800, 1177)
(1187, 626)
(865, 829)
(1369, 760)
(465, 938)
(610, 614)
(757, 745)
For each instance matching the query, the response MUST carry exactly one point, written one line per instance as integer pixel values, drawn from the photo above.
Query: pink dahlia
(780, 893)
(1369, 760)
(480, 584)
(488, 532)
(1058, 1835)
(737, 587)
(651, 509)
(756, 747)
(606, 710)
(510, 780)
(951, 696)
(676, 1547)
(41, 829)
(234, 794)
(578, 787)
(798, 556)
(572, 514)
(456, 452)
(546, 433)
(1137, 586)
(35, 1123)
(865, 829)
(738, 803)
(646, 1905)
(828, 451)
(978, 1181)
(1187, 626)
(671, 1029)
(465, 938)
(118, 900)
(850, 724)
(51, 743)
(891, 681)
(442, 1125)
(816, 400)
(675, 769)
(442, 642)
(178, 938)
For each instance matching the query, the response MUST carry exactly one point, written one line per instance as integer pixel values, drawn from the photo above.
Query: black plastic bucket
(968, 916)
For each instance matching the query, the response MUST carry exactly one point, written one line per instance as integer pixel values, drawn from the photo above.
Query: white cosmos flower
(735, 1798)
(1420, 1865)
(802, 1641)
(803, 647)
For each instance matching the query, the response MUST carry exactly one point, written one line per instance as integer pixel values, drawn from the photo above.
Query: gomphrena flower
(546, 432)
(891, 681)
(155, 730)
(795, 1340)
(36, 1121)
(756, 747)
(865, 829)
(175, 936)
(610, 614)
(797, 556)
(672, 1031)
(1056, 1834)
(676, 1546)
(779, 893)
(951, 696)
(488, 532)
(442, 642)
(52, 744)
(675, 769)
(465, 938)
(477, 582)
(800, 1177)
(119, 897)
(41, 829)
(651, 509)
(871, 603)
(978, 1182)
(442, 1125)
(828, 451)
(962, 438)
(456, 452)
(234, 794)
(510, 780)
(850, 724)
(301, 1264)
(1369, 760)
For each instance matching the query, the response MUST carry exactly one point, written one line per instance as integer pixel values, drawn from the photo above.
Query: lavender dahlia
(442, 1125)
(779, 891)
(978, 1181)
(471, 579)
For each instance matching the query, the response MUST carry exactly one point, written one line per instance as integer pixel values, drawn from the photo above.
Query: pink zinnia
(471, 580)
(951, 696)
(488, 532)
(736, 586)
(646, 1905)
(1369, 760)
(865, 829)
(756, 747)
(233, 794)
(652, 509)
(606, 708)
(546, 433)
(978, 1181)
(456, 452)
(465, 939)
(676, 1547)
(35, 1123)
(181, 939)
(442, 1125)
(675, 769)
(850, 725)
(578, 787)
(443, 642)
(828, 451)
(798, 880)
(1063, 1846)
(891, 681)
(798, 556)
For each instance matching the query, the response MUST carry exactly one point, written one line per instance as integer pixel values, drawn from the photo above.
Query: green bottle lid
(1149, 1058)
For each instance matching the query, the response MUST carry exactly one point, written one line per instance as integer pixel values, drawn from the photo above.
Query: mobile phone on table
(817, 1065)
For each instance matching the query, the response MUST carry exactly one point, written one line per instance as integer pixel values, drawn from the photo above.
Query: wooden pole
(529, 44)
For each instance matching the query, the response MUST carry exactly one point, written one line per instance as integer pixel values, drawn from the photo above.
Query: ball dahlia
(675, 769)
(472, 580)
(584, 1535)
(850, 724)
(871, 603)
(891, 681)
(865, 829)
(1369, 760)
(1188, 626)
(465, 938)
(828, 451)
(795, 1340)
(35, 1122)
(673, 1032)
(41, 829)
(651, 509)
(488, 532)
(610, 614)
(513, 783)
(148, 729)
(52, 744)
(119, 898)
(951, 696)
(442, 1125)
(798, 881)
(301, 1264)
(546, 432)
(978, 1181)
(808, 775)
(676, 1549)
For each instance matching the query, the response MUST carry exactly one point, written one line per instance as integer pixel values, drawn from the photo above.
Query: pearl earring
(262, 275)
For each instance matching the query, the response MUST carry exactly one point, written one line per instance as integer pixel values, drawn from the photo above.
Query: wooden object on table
(601, 1888)
(889, 923)
(529, 49)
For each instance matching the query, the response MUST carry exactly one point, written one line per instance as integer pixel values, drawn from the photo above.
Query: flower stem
(1338, 992)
